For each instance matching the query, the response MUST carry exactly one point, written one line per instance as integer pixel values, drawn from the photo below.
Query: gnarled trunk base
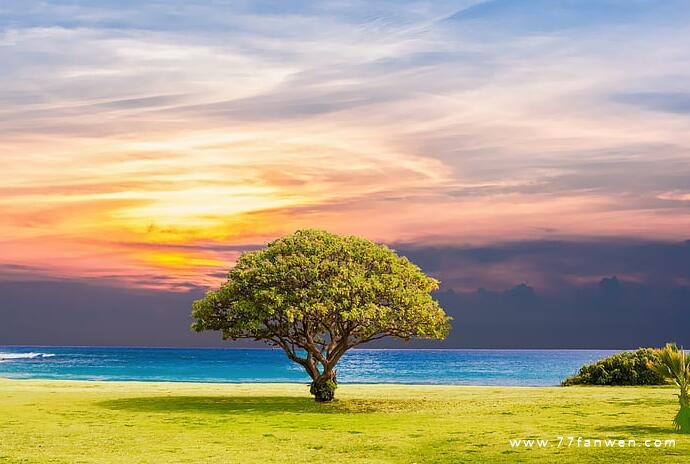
(323, 387)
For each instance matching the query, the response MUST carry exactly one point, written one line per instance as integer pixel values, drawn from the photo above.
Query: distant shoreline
(305, 384)
(268, 348)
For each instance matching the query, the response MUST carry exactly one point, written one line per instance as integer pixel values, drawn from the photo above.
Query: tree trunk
(682, 419)
(323, 386)
(684, 399)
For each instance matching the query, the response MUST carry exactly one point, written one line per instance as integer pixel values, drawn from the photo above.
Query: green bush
(626, 368)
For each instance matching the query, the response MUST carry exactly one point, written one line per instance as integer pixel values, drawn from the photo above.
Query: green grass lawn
(160, 423)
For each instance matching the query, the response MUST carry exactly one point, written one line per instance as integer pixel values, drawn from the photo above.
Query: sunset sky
(147, 143)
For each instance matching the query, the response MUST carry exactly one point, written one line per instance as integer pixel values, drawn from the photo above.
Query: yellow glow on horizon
(178, 260)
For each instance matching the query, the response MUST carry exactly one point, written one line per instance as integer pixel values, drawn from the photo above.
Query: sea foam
(32, 355)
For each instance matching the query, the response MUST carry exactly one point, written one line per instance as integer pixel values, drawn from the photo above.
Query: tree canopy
(316, 295)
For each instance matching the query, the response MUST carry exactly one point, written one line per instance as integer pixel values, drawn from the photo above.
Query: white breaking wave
(5, 356)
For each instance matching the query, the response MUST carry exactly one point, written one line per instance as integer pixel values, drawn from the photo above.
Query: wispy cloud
(672, 102)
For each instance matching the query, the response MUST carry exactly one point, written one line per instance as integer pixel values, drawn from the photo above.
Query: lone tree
(316, 295)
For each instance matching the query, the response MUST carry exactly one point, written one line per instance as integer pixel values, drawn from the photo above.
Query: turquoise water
(465, 367)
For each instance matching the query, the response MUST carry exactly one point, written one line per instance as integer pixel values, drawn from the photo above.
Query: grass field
(159, 423)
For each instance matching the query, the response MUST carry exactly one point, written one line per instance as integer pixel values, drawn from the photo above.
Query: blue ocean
(456, 367)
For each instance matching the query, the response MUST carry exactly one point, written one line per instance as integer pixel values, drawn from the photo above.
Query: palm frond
(674, 364)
